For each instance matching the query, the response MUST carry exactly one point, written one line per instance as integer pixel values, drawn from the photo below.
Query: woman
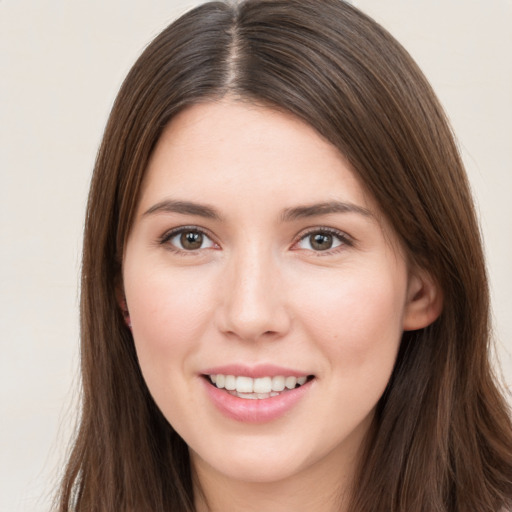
(284, 298)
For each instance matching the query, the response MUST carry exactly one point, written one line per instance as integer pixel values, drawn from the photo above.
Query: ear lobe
(424, 301)
(121, 301)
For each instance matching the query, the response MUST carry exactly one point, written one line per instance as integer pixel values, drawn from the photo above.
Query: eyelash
(343, 238)
(169, 235)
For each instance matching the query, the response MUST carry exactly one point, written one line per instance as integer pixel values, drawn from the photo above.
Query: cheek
(168, 315)
(167, 307)
(357, 328)
(357, 319)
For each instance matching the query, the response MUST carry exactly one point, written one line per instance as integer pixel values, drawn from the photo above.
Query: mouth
(259, 388)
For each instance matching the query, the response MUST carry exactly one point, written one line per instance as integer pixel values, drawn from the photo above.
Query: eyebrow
(184, 207)
(314, 210)
(288, 215)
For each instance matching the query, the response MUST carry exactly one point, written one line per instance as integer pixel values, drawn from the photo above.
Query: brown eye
(188, 239)
(191, 240)
(321, 241)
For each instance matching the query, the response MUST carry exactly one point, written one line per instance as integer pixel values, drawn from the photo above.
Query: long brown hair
(442, 435)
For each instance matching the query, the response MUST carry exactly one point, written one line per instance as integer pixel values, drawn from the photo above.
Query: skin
(257, 291)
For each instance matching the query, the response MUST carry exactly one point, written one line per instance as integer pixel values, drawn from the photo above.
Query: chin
(254, 468)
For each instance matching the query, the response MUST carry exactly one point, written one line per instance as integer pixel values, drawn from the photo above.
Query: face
(267, 295)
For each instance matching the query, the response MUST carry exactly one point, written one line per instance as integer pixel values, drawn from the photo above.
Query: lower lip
(255, 411)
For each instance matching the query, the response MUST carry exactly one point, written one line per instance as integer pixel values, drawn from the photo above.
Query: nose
(253, 305)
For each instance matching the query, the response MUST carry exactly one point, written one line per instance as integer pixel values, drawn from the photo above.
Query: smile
(258, 388)
(253, 400)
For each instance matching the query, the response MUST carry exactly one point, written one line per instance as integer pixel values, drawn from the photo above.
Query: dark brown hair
(442, 435)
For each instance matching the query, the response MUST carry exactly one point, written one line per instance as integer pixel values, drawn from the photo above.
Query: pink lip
(261, 370)
(257, 410)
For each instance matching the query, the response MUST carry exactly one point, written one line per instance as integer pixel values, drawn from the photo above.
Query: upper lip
(255, 371)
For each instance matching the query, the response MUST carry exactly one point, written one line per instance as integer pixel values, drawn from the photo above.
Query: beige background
(61, 64)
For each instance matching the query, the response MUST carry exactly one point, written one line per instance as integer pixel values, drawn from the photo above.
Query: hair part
(441, 438)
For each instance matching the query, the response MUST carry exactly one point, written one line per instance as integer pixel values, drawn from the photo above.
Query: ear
(121, 301)
(424, 300)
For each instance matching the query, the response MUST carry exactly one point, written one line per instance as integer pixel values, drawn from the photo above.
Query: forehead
(214, 150)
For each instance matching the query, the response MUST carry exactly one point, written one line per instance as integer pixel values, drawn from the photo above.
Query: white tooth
(290, 382)
(273, 393)
(263, 385)
(213, 378)
(244, 384)
(301, 380)
(230, 382)
(247, 396)
(278, 383)
(221, 379)
(262, 396)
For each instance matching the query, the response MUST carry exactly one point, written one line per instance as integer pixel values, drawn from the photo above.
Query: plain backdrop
(61, 64)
